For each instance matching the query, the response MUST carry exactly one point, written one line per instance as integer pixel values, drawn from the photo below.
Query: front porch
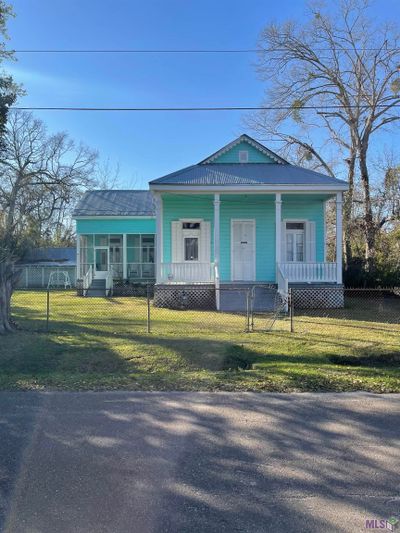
(205, 273)
(248, 238)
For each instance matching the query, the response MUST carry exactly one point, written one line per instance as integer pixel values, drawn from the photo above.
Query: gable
(232, 154)
(256, 153)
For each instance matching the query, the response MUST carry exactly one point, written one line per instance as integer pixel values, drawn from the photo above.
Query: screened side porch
(125, 256)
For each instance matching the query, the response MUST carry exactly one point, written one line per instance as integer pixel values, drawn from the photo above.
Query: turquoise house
(242, 216)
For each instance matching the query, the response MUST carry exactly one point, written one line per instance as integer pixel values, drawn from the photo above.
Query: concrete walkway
(189, 462)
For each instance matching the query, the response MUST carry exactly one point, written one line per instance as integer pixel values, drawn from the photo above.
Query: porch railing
(190, 272)
(217, 286)
(87, 280)
(309, 272)
(109, 283)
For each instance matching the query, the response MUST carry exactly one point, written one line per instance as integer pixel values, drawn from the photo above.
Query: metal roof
(49, 256)
(115, 203)
(221, 174)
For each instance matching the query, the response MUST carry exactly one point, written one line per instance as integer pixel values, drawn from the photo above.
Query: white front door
(101, 262)
(243, 257)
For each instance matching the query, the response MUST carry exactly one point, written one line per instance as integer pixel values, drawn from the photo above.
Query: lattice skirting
(318, 298)
(184, 296)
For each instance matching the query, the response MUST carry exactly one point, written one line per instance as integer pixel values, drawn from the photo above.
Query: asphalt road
(189, 462)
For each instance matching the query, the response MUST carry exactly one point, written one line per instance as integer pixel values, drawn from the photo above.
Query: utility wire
(320, 109)
(177, 51)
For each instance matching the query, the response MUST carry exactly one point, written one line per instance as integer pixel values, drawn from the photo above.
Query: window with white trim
(191, 233)
(295, 241)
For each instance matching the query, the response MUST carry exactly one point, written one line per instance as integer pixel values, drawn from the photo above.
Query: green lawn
(99, 344)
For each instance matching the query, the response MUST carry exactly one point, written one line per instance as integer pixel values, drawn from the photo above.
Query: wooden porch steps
(97, 289)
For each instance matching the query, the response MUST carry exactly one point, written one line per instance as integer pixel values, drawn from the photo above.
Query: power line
(177, 51)
(319, 109)
(135, 51)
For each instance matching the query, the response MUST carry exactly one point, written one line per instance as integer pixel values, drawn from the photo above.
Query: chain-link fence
(40, 277)
(169, 311)
(333, 307)
(195, 309)
(174, 309)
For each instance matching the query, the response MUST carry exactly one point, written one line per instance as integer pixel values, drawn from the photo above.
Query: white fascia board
(254, 189)
(111, 217)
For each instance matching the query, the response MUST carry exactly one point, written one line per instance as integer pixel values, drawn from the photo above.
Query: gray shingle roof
(115, 203)
(246, 174)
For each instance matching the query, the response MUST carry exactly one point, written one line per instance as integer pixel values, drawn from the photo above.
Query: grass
(99, 344)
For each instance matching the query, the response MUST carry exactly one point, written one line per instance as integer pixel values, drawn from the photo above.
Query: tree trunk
(369, 227)
(347, 211)
(6, 289)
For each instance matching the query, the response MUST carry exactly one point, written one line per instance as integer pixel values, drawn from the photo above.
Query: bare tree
(40, 175)
(336, 78)
(107, 176)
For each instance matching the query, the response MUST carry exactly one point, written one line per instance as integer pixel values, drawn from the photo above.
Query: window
(147, 248)
(140, 256)
(191, 248)
(295, 225)
(116, 248)
(86, 241)
(190, 225)
(191, 233)
(243, 156)
(86, 254)
(295, 241)
(101, 240)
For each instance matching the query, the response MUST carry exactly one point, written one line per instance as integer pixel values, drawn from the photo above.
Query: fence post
(291, 310)
(148, 310)
(47, 309)
(247, 311)
(252, 299)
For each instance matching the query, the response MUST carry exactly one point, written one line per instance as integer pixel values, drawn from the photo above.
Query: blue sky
(146, 145)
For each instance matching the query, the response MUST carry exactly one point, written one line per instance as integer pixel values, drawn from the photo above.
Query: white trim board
(200, 189)
(118, 233)
(111, 217)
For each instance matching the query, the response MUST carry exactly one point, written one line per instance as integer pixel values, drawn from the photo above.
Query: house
(38, 266)
(241, 217)
(115, 238)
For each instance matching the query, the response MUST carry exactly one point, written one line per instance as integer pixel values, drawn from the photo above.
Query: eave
(250, 189)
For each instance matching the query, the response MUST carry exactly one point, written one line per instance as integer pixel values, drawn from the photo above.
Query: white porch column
(124, 257)
(339, 237)
(159, 235)
(217, 204)
(278, 227)
(78, 256)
